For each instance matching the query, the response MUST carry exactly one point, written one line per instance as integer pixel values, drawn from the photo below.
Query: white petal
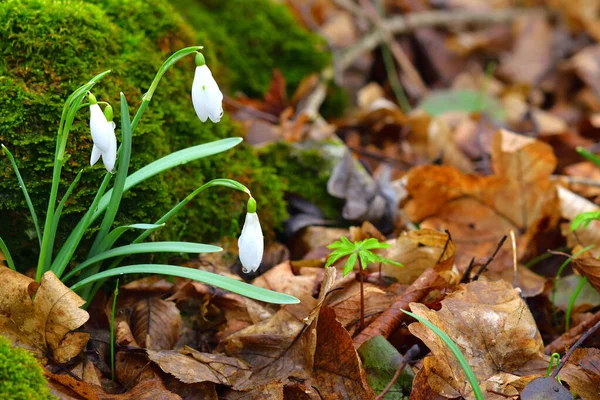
(251, 243)
(98, 128)
(110, 156)
(206, 96)
(96, 153)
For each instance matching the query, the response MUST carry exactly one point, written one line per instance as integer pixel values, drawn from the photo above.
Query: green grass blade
(241, 288)
(117, 190)
(455, 350)
(138, 248)
(116, 233)
(25, 194)
(572, 301)
(66, 251)
(4, 250)
(588, 155)
(175, 159)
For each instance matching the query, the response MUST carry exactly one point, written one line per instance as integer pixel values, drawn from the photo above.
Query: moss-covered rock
(252, 37)
(21, 377)
(49, 48)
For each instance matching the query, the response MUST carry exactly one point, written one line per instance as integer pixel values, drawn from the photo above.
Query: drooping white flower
(251, 241)
(103, 135)
(206, 96)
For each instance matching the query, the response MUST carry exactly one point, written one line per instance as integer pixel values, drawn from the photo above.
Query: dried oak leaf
(478, 211)
(282, 346)
(191, 366)
(582, 373)
(494, 330)
(338, 371)
(155, 323)
(41, 317)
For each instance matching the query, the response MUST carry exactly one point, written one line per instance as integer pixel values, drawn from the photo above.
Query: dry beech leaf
(494, 330)
(155, 323)
(273, 391)
(582, 373)
(590, 268)
(191, 366)
(282, 346)
(339, 373)
(478, 211)
(571, 205)
(417, 251)
(44, 324)
(282, 279)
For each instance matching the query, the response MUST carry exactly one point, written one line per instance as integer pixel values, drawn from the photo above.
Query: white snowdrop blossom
(103, 136)
(206, 96)
(251, 241)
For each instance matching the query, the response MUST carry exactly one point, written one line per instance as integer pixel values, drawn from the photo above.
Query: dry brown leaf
(132, 368)
(590, 268)
(67, 385)
(191, 366)
(582, 15)
(417, 251)
(148, 389)
(494, 330)
(44, 324)
(155, 323)
(570, 206)
(582, 373)
(282, 279)
(532, 52)
(268, 392)
(282, 346)
(587, 66)
(339, 373)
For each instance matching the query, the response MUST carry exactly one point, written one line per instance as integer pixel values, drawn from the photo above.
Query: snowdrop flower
(206, 96)
(103, 134)
(251, 242)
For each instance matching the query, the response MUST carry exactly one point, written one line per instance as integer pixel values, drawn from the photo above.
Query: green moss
(49, 48)
(305, 169)
(252, 37)
(21, 377)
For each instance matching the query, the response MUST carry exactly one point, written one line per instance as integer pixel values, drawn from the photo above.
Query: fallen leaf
(494, 330)
(155, 323)
(191, 366)
(339, 373)
(590, 268)
(582, 373)
(41, 317)
(570, 206)
(268, 392)
(282, 279)
(587, 66)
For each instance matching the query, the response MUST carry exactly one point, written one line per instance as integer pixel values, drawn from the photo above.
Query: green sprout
(358, 251)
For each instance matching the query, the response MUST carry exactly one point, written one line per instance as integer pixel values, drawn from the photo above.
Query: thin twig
(466, 276)
(448, 240)
(411, 354)
(484, 267)
(436, 18)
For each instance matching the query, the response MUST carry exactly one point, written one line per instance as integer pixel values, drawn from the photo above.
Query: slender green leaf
(116, 233)
(7, 256)
(25, 194)
(455, 350)
(175, 159)
(138, 248)
(242, 288)
(572, 301)
(584, 219)
(588, 155)
(349, 266)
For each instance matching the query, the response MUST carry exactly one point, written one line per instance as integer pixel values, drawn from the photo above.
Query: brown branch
(567, 339)
(438, 18)
(387, 322)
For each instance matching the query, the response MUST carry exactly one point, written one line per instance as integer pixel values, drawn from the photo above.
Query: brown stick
(567, 339)
(386, 323)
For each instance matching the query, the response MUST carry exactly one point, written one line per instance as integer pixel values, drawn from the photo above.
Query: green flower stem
(7, 256)
(588, 155)
(572, 301)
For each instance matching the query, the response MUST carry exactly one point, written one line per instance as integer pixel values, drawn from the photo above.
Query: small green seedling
(358, 251)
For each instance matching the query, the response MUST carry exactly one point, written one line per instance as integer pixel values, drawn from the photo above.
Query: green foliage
(584, 219)
(252, 37)
(304, 171)
(51, 47)
(21, 377)
(466, 100)
(360, 250)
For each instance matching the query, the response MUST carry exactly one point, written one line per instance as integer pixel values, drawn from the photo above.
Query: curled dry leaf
(571, 205)
(41, 317)
(494, 330)
(582, 373)
(191, 366)
(339, 373)
(282, 279)
(590, 268)
(155, 323)
(417, 251)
